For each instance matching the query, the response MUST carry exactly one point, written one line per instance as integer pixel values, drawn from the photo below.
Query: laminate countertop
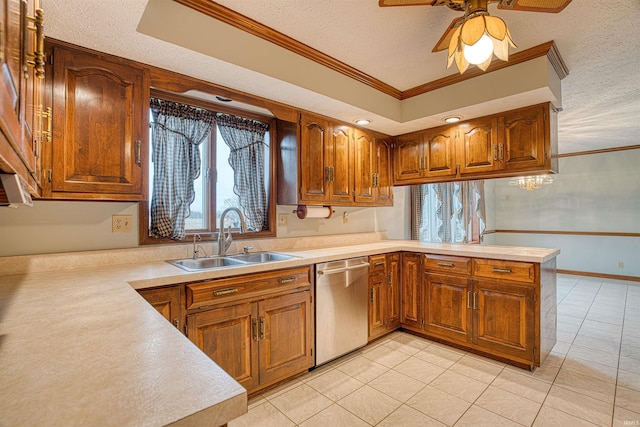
(79, 346)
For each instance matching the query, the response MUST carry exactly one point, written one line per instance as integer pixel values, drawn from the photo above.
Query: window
(451, 212)
(229, 155)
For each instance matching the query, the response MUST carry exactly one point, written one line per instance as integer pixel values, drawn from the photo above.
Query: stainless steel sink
(228, 261)
(259, 257)
(206, 263)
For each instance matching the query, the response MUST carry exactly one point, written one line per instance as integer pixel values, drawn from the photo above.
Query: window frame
(474, 220)
(211, 234)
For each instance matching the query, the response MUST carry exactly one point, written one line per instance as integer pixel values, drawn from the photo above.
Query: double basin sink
(236, 260)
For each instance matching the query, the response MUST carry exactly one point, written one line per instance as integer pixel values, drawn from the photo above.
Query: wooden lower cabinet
(228, 336)
(411, 310)
(285, 336)
(384, 294)
(447, 308)
(503, 318)
(503, 309)
(259, 338)
(167, 301)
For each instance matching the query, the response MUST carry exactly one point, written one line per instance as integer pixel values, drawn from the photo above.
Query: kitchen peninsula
(78, 345)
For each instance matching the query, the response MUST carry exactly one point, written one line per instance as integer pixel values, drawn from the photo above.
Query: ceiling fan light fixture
(477, 40)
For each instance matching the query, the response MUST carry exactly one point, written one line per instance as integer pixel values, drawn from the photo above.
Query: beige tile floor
(592, 377)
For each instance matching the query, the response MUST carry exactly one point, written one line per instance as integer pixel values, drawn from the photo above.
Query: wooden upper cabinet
(525, 138)
(339, 154)
(478, 146)
(382, 186)
(21, 90)
(408, 159)
(100, 127)
(314, 149)
(439, 152)
(505, 144)
(321, 162)
(364, 152)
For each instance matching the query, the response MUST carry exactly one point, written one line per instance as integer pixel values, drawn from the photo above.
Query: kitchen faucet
(225, 241)
(196, 238)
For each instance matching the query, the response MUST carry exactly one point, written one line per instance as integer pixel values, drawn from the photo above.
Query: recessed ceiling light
(362, 122)
(222, 99)
(452, 119)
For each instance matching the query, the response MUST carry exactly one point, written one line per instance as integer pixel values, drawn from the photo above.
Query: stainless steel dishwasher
(341, 307)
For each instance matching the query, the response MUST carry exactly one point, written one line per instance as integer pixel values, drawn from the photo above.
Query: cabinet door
(408, 160)
(377, 297)
(524, 136)
(286, 336)
(393, 291)
(504, 318)
(364, 154)
(338, 151)
(166, 301)
(411, 289)
(99, 125)
(383, 189)
(477, 146)
(228, 336)
(314, 175)
(439, 152)
(448, 307)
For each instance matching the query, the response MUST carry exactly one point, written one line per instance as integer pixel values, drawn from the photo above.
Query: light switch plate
(283, 220)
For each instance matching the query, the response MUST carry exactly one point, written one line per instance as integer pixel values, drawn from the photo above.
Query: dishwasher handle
(341, 270)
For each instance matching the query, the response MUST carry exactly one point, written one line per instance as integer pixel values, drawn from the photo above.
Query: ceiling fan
(476, 36)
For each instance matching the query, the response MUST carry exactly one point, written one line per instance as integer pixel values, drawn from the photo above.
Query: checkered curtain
(442, 212)
(245, 138)
(178, 130)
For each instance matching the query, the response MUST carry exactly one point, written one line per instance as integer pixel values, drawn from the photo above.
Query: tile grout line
(615, 390)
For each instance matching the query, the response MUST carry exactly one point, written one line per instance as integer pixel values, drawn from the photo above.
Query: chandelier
(531, 182)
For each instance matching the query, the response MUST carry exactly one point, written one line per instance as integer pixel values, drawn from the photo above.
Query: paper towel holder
(304, 211)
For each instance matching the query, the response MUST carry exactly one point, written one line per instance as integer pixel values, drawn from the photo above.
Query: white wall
(62, 226)
(597, 192)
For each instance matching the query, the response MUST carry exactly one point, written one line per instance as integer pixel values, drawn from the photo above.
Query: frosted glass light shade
(479, 52)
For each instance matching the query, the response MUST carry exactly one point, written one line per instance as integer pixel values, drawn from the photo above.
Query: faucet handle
(246, 249)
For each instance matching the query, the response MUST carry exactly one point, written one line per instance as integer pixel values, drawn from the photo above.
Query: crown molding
(244, 23)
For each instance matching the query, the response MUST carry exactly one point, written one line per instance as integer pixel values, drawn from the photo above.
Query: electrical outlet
(345, 217)
(121, 223)
(283, 220)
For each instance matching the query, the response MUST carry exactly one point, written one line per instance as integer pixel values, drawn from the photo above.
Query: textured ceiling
(597, 40)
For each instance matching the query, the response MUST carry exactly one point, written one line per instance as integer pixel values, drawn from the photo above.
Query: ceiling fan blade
(387, 3)
(444, 41)
(549, 6)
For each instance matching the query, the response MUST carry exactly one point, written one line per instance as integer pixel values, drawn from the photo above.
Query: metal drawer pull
(287, 280)
(501, 270)
(445, 264)
(468, 299)
(176, 323)
(262, 328)
(225, 292)
(475, 300)
(389, 279)
(377, 263)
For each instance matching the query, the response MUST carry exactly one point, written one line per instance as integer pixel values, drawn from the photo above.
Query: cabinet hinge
(51, 59)
(535, 298)
(311, 300)
(422, 322)
(534, 350)
(49, 175)
(312, 352)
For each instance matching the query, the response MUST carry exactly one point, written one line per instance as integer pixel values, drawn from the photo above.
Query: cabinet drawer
(377, 263)
(508, 270)
(218, 291)
(447, 264)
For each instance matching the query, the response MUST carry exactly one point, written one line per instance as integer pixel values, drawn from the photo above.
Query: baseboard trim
(603, 275)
